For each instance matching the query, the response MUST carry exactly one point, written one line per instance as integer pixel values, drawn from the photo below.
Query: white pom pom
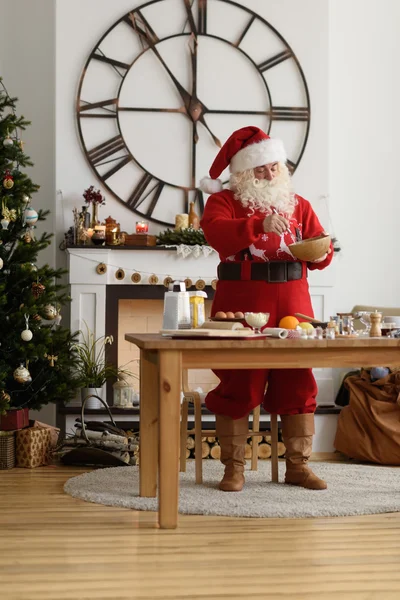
(211, 186)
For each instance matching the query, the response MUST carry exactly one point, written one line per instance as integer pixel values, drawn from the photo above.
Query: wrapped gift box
(33, 447)
(14, 419)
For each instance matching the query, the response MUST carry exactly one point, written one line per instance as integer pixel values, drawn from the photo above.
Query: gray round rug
(352, 490)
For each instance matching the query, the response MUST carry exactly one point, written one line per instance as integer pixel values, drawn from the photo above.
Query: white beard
(263, 195)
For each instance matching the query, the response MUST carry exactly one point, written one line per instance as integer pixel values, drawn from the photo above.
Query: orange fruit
(288, 322)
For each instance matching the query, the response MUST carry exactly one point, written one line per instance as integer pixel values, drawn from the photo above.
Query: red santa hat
(247, 148)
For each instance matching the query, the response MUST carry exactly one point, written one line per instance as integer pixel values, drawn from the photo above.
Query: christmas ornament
(5, 223)
(8, 181)
(200, 284)
(153, 280)
(37, 317)
(50, 312)
(37, 289)
(51, 358)
(1, 263)
(101, 269)
(188, 283)
(21, 145)
(8, 215)
(214, 284)
(22, 375)
(7, 142)
(27, 334)
(26, 199)
(4, 397)
(27, 237)
(167, 281)
(136, 277)
(120, 274)
(30, 215)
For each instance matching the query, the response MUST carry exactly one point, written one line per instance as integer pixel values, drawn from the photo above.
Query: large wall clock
(168, 83)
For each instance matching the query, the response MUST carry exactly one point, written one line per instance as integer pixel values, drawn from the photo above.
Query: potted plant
(92, 369)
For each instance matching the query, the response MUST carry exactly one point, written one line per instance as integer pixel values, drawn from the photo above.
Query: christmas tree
(36, 354)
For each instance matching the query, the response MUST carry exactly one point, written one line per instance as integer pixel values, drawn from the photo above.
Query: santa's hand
(276, 224)
(318, 260)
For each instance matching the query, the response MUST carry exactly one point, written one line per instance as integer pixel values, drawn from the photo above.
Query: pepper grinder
(375, 318)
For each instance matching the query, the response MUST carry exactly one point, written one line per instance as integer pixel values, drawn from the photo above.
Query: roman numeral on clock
(201, 27)
(142, 27)
(275, 60)
(289, 113)
(109, 107)
(117, 64)
(148, 187)
(104, 153)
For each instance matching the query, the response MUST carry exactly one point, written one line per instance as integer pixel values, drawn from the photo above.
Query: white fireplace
(106, 298)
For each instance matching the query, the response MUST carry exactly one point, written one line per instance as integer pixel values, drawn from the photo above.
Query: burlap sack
(369, 427)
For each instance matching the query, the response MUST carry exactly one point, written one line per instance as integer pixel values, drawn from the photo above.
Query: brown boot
(298, 431)
(232, 436)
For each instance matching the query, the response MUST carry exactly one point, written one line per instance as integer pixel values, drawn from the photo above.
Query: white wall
(364, 134)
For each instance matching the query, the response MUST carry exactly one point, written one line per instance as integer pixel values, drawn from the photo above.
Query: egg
(230, 315)
(220, 315)
(239, 315)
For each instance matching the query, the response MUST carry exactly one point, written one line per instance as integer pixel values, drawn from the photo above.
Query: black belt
(273, 272)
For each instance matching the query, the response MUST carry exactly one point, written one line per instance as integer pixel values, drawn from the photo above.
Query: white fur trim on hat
(256, 155)
(211, 186)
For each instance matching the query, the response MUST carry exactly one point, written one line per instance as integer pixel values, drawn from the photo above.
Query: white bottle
(176, 307)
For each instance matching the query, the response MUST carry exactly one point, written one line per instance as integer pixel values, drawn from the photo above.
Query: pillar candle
(181, 221)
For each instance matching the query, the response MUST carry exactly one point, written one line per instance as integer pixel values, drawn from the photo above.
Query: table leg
(149, 422)
(170, 364)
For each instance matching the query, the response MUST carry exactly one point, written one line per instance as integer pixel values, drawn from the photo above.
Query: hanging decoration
(188, 283)
(120, 274)
(153, 279)
(200, 284)
(22, 375)
(136, 277)
(8, 181)
(50, 312)
(51, 358)
(167, 281)
(30, 216)
(7, 142)
(27, 334)
(1, 263)
(101, 269)
(37, 289)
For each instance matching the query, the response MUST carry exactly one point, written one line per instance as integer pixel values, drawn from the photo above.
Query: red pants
(289, 391)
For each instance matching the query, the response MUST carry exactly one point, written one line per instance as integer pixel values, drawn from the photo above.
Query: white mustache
(263, 183)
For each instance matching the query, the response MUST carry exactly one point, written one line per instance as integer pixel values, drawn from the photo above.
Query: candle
(142, 227)
(90, 232)
(181, 221)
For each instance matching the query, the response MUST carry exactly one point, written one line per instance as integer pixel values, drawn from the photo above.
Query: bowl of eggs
(228, 316)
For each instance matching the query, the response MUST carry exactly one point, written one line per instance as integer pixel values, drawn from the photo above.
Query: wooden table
(161, 363)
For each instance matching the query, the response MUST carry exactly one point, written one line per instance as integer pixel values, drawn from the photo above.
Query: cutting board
(207, 333)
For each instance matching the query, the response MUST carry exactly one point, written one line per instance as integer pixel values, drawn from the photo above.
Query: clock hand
(141, 30)
(194, 108)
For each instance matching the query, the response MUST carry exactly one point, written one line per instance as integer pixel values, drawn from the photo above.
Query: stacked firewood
(210, 447)
(104, 436)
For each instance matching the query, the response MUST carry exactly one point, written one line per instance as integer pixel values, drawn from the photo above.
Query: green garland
(189, 236)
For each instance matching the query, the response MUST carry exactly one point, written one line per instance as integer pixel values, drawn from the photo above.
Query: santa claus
(251, 225)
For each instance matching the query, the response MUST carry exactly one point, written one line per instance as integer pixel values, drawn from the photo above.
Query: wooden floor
(55, 547)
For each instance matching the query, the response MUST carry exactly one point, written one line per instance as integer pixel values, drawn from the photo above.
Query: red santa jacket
(230, 228)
